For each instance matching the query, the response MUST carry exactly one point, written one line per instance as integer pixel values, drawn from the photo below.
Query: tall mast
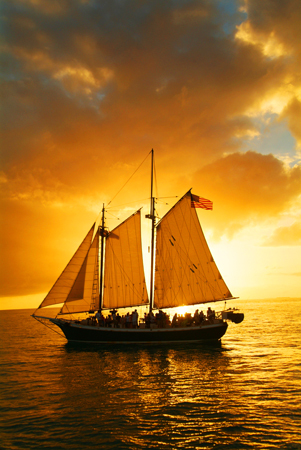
(152, 216)
(102, 233)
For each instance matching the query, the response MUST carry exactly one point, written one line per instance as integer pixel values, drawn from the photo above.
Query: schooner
(106, 274)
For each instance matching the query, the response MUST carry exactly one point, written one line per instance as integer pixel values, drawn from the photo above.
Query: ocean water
(242, 394)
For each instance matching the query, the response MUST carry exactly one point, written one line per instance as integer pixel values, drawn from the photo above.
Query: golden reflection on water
(149, 377)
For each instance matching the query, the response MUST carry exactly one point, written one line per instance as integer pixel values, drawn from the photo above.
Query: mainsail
(124, 281)
(185, 272)
(64, 284)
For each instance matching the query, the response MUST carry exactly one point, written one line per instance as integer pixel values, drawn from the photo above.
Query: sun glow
(182, 310)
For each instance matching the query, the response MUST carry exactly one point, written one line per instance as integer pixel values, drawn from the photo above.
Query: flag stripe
(199, 202)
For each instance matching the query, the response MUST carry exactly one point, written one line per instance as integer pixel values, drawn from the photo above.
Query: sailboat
(106, 275)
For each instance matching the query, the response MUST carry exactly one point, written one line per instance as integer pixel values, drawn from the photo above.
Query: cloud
(275, 24)
(247, 188)
(90, 87)
(158, 75)
(293, 113)
(273, 28)
(38, 243)
(285, 236)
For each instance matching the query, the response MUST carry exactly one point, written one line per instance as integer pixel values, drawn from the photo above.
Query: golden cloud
(293, 113)
(285, 236)
(90, 88)
(269, 44)
(37, 243)
(247, 188)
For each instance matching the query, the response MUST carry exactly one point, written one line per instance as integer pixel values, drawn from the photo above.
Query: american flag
(199, 202)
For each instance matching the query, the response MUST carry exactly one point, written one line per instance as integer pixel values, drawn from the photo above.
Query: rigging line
(129, 203)
(128, 180)
(52, 328)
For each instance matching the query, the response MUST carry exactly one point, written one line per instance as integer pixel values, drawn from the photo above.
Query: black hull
(98, 335)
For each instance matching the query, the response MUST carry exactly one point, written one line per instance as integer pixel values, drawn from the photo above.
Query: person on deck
(113, 312)
(174, 321)
(159, 318)
(196, 317)
(210, 314)
(147, 320)
(97, 317)
(201, 317)
(135, 319)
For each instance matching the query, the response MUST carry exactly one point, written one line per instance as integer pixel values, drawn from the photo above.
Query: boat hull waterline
(102, 335)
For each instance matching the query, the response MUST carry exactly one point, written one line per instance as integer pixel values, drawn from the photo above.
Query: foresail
(61, 288)
(124, 280)
(185, 272)
(84, 295)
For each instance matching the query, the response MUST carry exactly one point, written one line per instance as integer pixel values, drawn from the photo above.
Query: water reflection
(243, 393)
(148, 377)
(171, 389)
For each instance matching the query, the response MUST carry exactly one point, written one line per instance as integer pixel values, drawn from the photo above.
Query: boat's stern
(233, 316)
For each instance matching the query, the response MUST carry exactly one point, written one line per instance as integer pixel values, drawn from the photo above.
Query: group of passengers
(187, 320)
(160, 319)
(114, 320)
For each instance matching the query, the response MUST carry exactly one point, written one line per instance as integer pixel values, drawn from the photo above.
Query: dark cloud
(150, 74)
(278, 19)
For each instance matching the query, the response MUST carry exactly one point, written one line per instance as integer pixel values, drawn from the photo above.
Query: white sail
(185, 272)
(84, 295)
(124, 281)
(62, 287)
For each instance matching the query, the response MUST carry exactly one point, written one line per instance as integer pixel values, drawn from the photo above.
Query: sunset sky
(89, 87)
